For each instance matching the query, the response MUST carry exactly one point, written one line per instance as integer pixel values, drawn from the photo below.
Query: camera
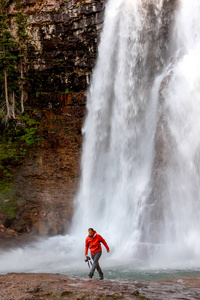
(86, 259)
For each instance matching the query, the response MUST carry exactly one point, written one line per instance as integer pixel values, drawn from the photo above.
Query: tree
(21, 20)
(8, 59)
(13, 57)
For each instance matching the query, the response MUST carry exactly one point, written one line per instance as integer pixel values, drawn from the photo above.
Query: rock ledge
(22, 286)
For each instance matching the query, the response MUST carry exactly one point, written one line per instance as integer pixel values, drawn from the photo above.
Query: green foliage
(9, 204)
(8, 59)
(139, 296)
(7, 41)
(56, 10)
(18, 131)
(8, 208)
(3, 6)
(53, 295)
(22, 22)
(13, 53)
(29, 133)
(15, 142)
(67, 92)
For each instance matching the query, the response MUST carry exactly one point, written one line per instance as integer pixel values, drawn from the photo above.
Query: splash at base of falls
(141, 152)
(65, 254)
(140, 182)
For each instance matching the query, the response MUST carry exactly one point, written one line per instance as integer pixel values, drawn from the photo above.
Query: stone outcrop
(7, 232)
(47, 181)
(64, 37)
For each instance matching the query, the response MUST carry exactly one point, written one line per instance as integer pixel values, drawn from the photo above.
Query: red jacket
(94, 243)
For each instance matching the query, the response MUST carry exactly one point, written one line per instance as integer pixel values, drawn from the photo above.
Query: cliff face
(64, 37)
(47, 181)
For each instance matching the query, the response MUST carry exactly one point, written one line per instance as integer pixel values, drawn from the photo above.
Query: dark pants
(95, 264)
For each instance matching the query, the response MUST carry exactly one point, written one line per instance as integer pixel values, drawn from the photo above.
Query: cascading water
(141, 154)
(118, 151)
(180, 121)
(140, 165)
(140, 184)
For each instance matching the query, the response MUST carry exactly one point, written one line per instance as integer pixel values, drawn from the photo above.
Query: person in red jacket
(93, 242)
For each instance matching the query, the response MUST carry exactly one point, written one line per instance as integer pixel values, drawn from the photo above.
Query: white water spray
(140, 184)
(119, 130)
(181, 110)
(144, 203)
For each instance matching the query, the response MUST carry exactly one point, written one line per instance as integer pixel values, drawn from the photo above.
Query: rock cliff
(64, 36)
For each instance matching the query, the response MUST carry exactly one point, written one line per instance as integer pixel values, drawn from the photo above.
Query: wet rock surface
(56, 286)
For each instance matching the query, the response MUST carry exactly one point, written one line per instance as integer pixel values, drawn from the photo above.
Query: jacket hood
(93, 234)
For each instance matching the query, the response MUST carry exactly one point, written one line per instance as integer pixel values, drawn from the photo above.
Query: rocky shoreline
(29, 286)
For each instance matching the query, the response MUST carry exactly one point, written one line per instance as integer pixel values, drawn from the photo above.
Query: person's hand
(86, 256)
(108, 250)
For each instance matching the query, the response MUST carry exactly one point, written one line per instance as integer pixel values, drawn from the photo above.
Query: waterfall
(140, 183)
(179, 119)
(141, 153)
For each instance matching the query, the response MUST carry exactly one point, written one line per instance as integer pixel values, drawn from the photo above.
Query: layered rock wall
(64, 36)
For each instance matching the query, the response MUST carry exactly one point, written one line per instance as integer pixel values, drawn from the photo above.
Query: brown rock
(64, 36)
(55, 286)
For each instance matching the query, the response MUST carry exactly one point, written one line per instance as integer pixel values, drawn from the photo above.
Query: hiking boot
(90, 275)
(101, 276)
